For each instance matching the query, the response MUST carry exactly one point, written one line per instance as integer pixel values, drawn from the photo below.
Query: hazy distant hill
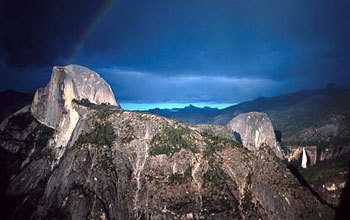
(189, 114)
(11, 101)
(292, 114)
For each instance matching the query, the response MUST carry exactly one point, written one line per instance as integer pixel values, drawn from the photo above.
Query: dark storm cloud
(23, 79)
(145, 87)
(184, 50)
(301, 41)
(41, 32)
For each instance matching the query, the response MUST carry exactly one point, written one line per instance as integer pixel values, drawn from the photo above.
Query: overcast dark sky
(183, 51)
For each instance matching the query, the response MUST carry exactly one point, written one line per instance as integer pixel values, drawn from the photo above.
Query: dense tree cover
(101, 135)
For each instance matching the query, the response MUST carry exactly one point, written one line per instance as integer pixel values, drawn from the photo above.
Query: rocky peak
(68, 83)
(255, 129)
(53, 104)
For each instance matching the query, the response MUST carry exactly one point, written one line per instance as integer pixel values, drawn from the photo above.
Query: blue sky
(158, 52)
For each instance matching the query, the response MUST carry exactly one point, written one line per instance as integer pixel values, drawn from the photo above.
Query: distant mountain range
(189, 114)
(302, 117)
(12, 101)
(308, 117)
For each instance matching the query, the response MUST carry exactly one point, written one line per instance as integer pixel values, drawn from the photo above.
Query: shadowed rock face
(255, 129)
(12, 101)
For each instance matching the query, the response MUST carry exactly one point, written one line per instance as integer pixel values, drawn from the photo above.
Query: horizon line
(171, 105)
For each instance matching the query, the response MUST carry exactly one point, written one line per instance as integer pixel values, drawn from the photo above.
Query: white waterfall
(304, 159)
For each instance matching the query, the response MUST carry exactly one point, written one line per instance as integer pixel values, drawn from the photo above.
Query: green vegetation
(44, 134)
(104, 161)
(321, 144)
(220, 187)
(21, 120)
(215, 143)
(313, 111)
(171, 140)
(177, 178)
(183, 204)
(102, 134)
(127, 139)
(215, 175)
(87, 103)
(103, 109)
(249, 179)
(247, 200)
(326, 170)
(127, 133)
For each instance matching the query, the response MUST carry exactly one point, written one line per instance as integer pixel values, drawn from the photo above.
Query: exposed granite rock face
(315, 154)
(295, 153)
(152, 168)
(53, 105)
(286, 197)
(255, 129)
(68, 83)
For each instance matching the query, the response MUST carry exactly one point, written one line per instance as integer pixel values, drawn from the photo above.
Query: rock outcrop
(333, 153)
(53, 105)
(68, 83)
(295, 153)
(254, 130)
(316, 154)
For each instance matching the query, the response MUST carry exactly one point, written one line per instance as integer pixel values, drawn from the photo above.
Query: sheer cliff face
(254, 130)
(53, 105)
(68, 83)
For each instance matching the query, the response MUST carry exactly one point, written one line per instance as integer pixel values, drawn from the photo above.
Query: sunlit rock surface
(68, 83)
(255, 129)
(53, 105)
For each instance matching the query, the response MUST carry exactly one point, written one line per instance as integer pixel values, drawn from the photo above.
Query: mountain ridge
(117, 164)
(12, 101)
(320, 105)
(264, 102)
